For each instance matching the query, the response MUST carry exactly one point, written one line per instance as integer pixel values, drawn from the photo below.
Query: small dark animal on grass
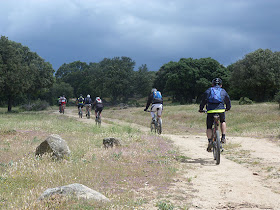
(110, 142)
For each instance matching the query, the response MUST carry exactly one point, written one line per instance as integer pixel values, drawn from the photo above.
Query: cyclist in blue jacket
(215, 98)
(155, 98)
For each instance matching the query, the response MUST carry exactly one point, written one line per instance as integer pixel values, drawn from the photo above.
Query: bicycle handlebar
(205, 111)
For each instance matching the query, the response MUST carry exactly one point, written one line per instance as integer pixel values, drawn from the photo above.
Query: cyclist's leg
(86, 109)
(100, 111)
(209, 124)
(159, 113)
(223, 127)
(95, 111)
(153, 111)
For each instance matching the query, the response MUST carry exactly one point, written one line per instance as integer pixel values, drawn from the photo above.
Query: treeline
(111, 78)
(25, 76)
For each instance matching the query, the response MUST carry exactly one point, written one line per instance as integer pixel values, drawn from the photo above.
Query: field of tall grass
(128, 174)
(260, 120)
(125, 174)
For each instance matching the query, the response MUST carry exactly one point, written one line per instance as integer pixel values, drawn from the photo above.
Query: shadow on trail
(201, 161)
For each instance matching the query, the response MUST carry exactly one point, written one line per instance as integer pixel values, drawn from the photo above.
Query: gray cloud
(149, 32)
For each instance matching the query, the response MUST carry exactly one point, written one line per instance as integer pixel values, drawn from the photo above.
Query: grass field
(256, 120)
(143, 161)
(119, 173)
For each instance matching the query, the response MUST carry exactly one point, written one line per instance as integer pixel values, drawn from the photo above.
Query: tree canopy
(25, 75)
(256, 76)
(21, 71)
(188, 78)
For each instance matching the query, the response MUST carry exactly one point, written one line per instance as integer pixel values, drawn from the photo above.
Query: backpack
(99, 101)
(157, 98)
(215, 95)
(81, 99)
(88, 100)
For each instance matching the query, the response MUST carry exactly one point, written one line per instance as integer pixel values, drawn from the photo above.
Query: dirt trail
(252, 183)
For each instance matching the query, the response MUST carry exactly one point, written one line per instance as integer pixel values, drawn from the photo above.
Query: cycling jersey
(62, 100)
(80, 100)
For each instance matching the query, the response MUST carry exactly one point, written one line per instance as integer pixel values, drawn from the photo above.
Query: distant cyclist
(155, 98)
(215, 98)
(80, 102)
(62, 100)
(59, 103)
(88, 103)
(98, 104)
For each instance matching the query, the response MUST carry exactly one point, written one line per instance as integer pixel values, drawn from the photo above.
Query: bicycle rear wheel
(159, 128)
(98, 119)
(153, 127)
(216, 147)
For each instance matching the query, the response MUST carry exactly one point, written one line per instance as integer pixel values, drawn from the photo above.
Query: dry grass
(122, 174)
(257, 120)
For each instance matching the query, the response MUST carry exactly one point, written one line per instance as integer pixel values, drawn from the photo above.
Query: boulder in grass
(110, 142)
(55, 146)
(76, 190)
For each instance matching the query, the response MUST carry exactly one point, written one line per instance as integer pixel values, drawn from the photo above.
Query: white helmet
(97, 98)
(88, 96)
(153, 90)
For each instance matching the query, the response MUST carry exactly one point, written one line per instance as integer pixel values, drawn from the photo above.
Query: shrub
(277, 98)
(165, 205)
(245, 100)
(35, 106)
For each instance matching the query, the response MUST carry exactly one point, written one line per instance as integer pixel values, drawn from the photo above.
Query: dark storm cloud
(149, 32)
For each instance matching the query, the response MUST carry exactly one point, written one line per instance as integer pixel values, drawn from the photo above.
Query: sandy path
(229, 185)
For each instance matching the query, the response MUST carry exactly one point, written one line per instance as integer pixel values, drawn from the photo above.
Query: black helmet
(217, 81)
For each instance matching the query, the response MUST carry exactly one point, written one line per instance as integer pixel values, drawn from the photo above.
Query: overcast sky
(151, 32)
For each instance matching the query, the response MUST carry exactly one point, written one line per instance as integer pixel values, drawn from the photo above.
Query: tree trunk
(9, 104)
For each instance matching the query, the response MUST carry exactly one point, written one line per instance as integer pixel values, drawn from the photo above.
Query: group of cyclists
(81, 102)
(88, 103)
(216, 100)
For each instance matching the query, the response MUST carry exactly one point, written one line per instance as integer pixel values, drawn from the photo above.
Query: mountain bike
(88, 106)
(98, 119)
(62, 107)
(216, 142)
(80, 112)
(156, 125)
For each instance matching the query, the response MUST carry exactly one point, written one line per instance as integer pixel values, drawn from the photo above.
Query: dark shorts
(80, 105)
(210, 119)
(98, 109)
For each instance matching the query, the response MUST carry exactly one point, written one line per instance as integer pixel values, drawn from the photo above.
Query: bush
(245, 100)
(277, 98)
(35, 106)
